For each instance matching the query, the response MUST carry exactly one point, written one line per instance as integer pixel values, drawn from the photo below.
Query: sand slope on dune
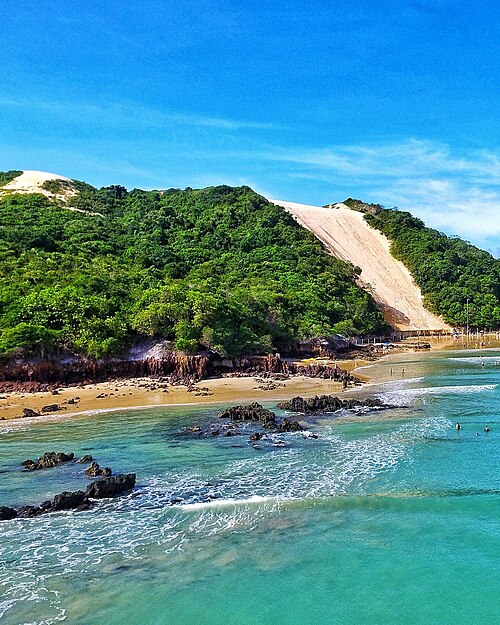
(32, 182)
(346, 234)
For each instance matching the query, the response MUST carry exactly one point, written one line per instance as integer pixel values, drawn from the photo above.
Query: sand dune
(347, 235)
(31, 182)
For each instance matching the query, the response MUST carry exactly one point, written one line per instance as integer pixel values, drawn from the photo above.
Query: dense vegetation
(217, 268)
(7, 176)
(449, 271)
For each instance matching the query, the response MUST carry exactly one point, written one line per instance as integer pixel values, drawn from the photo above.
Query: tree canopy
(448, 270)
(218, 268)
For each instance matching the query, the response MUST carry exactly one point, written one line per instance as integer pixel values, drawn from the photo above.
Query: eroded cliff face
(46, 374)
(347, 235)
(176, 367)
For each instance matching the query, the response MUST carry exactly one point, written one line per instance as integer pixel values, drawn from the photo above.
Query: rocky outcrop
(110, 486)
(52, 408)
(251, 412)
(47, 461)
(289, 426)
(328, 403)
(94, 470)
(7, 513)
(266, 418)
(84, 459)
(74, 500)
(174, 368)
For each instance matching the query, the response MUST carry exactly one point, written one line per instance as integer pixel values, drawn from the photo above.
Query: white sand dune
(31, 182)
(347, 236)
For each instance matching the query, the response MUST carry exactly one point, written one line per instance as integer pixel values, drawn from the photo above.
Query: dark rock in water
(77, 500)
(48, 460)
(328, 403)
(94, 470)
(67, 501)
(257, 436)
(27, 512)
(289, 426)
(85, 505)
(251, 412)
(84, 459)
(6, 513)
(28, 413)
(110, 486)
(51, 408)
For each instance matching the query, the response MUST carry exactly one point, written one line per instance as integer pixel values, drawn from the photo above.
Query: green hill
(218, 268)
(448, 270)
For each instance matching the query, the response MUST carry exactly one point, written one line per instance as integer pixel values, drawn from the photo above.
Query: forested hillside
(449, 271)
(218, 268)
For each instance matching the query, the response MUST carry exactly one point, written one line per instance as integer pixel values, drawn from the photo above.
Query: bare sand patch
(31, 181)
(121, 394)
(348, 236)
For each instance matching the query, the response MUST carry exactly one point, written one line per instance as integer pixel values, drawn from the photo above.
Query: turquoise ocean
(387, 518)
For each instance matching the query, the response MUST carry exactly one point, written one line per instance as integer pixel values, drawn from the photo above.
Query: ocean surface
(387, 518)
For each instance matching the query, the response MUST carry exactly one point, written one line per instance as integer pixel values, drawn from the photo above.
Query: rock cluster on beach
(328, 403)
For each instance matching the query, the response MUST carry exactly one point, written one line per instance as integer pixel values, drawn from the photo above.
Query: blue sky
(394, 102)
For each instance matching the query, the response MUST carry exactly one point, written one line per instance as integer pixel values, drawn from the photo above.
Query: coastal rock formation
(74, 500)
(174, 368)
(251, 412)
(52, 408)
(46, 375)
(289, 426)
(84, 459)
(48, 460)
(327, 403)
(94, 470)
(110, 486)
(7, 513)
(266, 418)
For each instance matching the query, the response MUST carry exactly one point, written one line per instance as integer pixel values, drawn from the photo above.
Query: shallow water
(389, 517)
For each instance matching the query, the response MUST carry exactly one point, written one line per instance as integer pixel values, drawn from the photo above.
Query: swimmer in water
(486, 428)
(458, 426)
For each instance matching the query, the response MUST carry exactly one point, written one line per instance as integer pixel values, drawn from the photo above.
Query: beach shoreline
(142, 393)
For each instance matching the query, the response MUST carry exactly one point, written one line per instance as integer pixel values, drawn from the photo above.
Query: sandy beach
(143, 392)
(146, 392)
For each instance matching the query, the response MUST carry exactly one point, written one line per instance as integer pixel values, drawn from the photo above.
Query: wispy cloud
(409, 158)
(126, 114)
(457, 192)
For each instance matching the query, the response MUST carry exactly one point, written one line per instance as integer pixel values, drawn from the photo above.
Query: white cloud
(456, 192)
(410, 158)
